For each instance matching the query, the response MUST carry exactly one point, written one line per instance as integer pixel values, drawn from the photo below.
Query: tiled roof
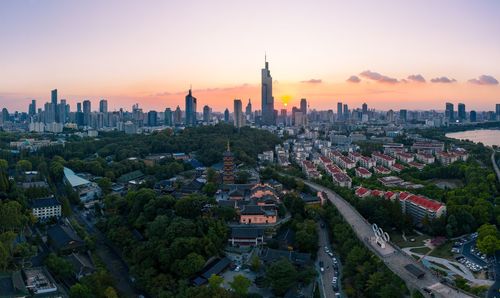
(425, 202)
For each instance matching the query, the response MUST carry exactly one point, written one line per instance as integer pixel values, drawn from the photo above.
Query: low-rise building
(87, 190)
(342, 179)
(383, 159)
(345, 162)
(246, 236)
(46, 208)
(362, 192)
(381, 170)
(367, 162)
(363, 172)
(419, 166)
(390, 181)
(446, 158)
(254, 214)
(397, 167)
(404, 157)
(420, 207)
(425, 158)
(428, 147)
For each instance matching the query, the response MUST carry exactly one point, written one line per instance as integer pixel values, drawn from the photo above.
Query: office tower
(53, 97)
(190, 119)
(303, 106)
(267, 96)
(239, 118)
(61, 111)
(403, 114)
(283, 116)
(365, 108)
(298, 118)
(226, 116)
(49, 113)
(345, 113)
(206, 113)
(461, 112)
(473, 116)
(177, 116)
(339, 111)
(78, 106)
(390, 116)
(248, 109)
(103, 106)
(32, 108)
(449, 111)
(152, 116)
(168, 117)
(228, 161)
(497, 110)
(86, 112)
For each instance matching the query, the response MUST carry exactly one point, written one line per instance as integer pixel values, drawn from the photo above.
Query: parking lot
(471, 257)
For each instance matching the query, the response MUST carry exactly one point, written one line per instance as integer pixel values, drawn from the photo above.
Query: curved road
(391, 256)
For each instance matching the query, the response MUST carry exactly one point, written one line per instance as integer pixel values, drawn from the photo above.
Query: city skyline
(333, 51)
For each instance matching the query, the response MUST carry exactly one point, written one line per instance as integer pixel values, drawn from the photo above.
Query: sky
(390, 54)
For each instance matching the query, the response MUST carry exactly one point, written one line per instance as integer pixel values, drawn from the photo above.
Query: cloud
(375, 76)
(353, 79)
(484, 80)
(313, 81)
(416, 78)
(443, 80)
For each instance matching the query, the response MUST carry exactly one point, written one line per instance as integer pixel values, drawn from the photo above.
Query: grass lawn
(443, 251)
(421, 250)
(397, 239)
(439, 265)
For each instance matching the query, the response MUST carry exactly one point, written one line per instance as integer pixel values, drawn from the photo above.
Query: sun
(285, 99)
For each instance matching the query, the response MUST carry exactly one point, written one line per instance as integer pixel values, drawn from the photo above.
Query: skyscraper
(339, 111)
(473, 116)
(32, 108)
(403, 115)
(103, 106)
(53, 96)
(226, 116)
(239, 119)
(267, 96)
(86, 112)
(168, 117)
(303, 106)
(206, 113)
(78, 107)
(152, 116)
(177, 116)
(61, 111)
(248, 109)
(365, 108)
(449, 111)
(190, 119)
(497, 108)
(345, 113)
(461, 112)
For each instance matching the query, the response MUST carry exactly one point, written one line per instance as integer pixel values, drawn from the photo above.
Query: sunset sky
(390, 54)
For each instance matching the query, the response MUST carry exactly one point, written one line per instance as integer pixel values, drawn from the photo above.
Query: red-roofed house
(397, 167)
(356, 156)
(342, 179)
(362, 192)
(345, 162)
(426, 158)
(417, 165)
(377, 193)
(389, 195)
(383, 159)
(367, 162)
(404, 157)
(362, 172)
(381, 170)
(419, 207)
(447, 158)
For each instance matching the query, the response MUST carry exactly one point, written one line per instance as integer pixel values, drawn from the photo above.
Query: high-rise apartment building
(339, 111)
(449, 111)
(167, 117)
(103, 106)
(239, 118)
(206, 113)
(461, 112)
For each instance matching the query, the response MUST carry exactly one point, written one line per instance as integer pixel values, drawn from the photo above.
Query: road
(327, 276)
(495, 166)
(391, 256)
(114, 263)
(494, 290)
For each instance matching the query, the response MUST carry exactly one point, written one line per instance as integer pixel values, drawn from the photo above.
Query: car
(321, 266)
(237, 269)
(334, 260)
(330, 254)
(337, 294)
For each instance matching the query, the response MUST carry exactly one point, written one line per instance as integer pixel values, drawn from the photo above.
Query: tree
(4, 257)
(110, 292)
(105, 184)
(60, 267)
(23, 165)
(240, 285)
(210, 189)
(191, 264)
(255, 263)
(280, 276)
(4, 165)
(80, 291)
(11, 217)
(488, 244)
(215, 281)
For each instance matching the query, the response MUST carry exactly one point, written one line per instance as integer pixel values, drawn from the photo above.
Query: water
(488, 137)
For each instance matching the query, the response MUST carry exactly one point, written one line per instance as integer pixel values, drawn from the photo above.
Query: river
(488, 137)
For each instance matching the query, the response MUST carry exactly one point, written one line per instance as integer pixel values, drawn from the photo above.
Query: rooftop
(44, 202)
(74, 179)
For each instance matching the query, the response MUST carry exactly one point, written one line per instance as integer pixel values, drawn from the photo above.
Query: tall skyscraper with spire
(248, 109)
(267, 96)
(190, 119)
